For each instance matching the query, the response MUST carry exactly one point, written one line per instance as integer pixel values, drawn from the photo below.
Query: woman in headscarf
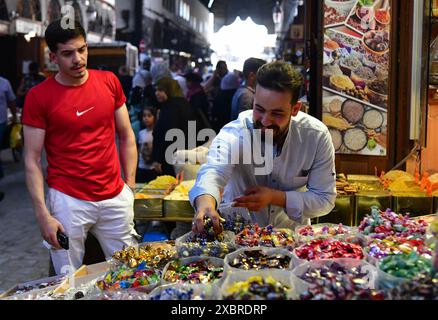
(175, 113)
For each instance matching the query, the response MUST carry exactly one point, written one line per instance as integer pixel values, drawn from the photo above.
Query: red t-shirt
(80, 134)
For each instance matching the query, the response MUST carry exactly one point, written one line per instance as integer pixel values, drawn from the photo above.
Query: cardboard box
(83, 275)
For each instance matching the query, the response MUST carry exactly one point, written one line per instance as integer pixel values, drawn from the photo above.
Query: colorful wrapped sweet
(206, 243)
(323, 230)
(341, 279)
(269, 236)
(397, 269)
(392, 245)
(235, 224)
(156, 255)
(257, 288)
(185, 291)
(405, 265)
(258, 258)
(381, 224)
(194, 270)
(328, 249)
(189, 245)
(434, 231)
(422, 287)
(142, 277)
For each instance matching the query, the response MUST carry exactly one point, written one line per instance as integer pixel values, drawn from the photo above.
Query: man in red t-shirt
(76, 116)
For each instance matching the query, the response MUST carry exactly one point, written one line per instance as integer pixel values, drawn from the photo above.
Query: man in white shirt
(300, 183)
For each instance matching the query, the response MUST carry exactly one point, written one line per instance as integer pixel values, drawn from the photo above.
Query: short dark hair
(152, 110)
(55, 33)
(193, 77)
(281, 76)
(252, 65)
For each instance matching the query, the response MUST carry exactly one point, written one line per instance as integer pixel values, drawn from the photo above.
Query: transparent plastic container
(218, 249)
(235, 218)
(358, 240)
(217, 262)
(145, 288)
(286, 241)
(119, 295)
(318, 232)
(228, 269)
(388, 281)
(193, 292)
(301, 286)
(282, 276)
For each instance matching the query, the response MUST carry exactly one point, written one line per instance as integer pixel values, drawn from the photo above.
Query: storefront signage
(356, 75)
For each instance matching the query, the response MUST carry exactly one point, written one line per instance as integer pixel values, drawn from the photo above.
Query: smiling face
(273, 110)
(71, 58)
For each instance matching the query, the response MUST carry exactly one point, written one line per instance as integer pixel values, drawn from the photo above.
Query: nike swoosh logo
(83, 112)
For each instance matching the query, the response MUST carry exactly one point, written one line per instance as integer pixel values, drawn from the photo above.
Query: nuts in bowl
(376, 42)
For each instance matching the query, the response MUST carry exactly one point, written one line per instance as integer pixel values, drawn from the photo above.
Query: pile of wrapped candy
(324, 230)
(257, 260)
(388, 223)
(319, 262)
(212, 249)
(331, 280)
(37, 286)
(200, 271)
(206, 243)
(328, 249)
(235, 223)
(177, 293)
(208, 234)
(434, 231)
(257, 288)
(339, 288)
(405, 265)
(265, 237)
(422, 287)
(392, 245)
(125, 277)
(154, 256)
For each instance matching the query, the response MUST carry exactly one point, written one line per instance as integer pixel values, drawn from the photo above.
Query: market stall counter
(388, 256)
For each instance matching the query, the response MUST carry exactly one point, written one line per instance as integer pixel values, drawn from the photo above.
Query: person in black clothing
(175, 113)
(197, 96)
(125, 80)
(213, 85)
(221, 113)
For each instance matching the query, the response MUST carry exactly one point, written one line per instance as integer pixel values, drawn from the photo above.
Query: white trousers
(110, 221)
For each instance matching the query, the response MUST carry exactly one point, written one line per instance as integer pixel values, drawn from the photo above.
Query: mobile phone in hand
(62, 240)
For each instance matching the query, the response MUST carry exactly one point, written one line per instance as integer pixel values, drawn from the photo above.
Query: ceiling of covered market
(226, 11)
